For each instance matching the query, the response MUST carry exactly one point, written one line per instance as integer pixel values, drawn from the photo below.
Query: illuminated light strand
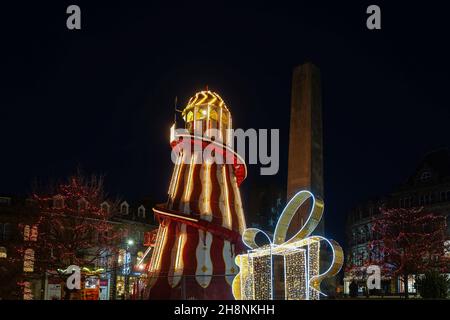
(220, 124)
(183, 156)
(179, 259)
(208, 117)
(207, 97)
(174, 176)
(158, 252)
(141, 260)
(187, 193)
(227, 200)
(175, 215)
(177, 271)
(206, 191)
(230, 135)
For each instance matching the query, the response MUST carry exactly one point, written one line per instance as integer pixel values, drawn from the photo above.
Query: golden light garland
(301, 257)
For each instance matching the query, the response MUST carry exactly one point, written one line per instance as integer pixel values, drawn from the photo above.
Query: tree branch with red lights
(409, 241)
(74, 223)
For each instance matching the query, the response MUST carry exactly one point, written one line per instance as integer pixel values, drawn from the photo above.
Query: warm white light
(301, 257)
(227, 201)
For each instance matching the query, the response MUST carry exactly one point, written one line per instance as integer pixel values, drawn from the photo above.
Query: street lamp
(127, 269)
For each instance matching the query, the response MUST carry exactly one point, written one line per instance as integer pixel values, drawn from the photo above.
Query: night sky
(102, 97)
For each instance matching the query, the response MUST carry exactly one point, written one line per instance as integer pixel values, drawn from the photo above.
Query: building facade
(118, 273)
(428, 187)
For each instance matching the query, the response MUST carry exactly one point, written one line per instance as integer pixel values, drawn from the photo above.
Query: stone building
(428, 187)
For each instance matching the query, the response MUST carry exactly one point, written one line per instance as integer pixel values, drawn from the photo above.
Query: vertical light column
(189, 183)
(295, 275)
(178, 263)
(313, 267)
(205, 196)
(226, 214)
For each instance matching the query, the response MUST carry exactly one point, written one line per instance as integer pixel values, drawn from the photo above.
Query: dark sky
(102, 97)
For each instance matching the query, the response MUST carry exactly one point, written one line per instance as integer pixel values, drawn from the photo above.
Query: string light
(187, 194)
(301, 257)
(226, 199)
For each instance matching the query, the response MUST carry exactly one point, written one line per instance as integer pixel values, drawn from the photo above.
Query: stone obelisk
(305, 164)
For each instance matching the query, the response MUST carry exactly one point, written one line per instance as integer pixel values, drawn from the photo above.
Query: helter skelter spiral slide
(202, 222)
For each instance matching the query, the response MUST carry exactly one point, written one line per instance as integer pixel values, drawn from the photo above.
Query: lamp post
(127, 266)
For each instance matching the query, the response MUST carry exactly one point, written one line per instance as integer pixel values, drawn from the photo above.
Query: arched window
(141, 212)
(3, 253)
(124, 208)
(425, 176)
(105, 207)
(28, 261)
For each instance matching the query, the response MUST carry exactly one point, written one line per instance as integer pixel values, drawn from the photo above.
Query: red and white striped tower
(202, 222)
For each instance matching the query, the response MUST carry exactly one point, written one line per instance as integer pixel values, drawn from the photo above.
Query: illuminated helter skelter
(300, 256)
(202, 222)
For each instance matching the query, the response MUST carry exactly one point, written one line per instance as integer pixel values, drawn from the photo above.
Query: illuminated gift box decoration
(301, 257)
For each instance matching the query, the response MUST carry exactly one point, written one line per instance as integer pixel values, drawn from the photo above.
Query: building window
(28, 261)
(411, 285)
(124, 208)
(5, 231)
(408, 202)
(445, 195)
(5, 200)
(141, 212)
(425, 199)
(447, 248)
(105, 207)
(425, 176)
(3, 253)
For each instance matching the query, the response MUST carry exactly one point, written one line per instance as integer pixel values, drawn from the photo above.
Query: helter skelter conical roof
(205, 98)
